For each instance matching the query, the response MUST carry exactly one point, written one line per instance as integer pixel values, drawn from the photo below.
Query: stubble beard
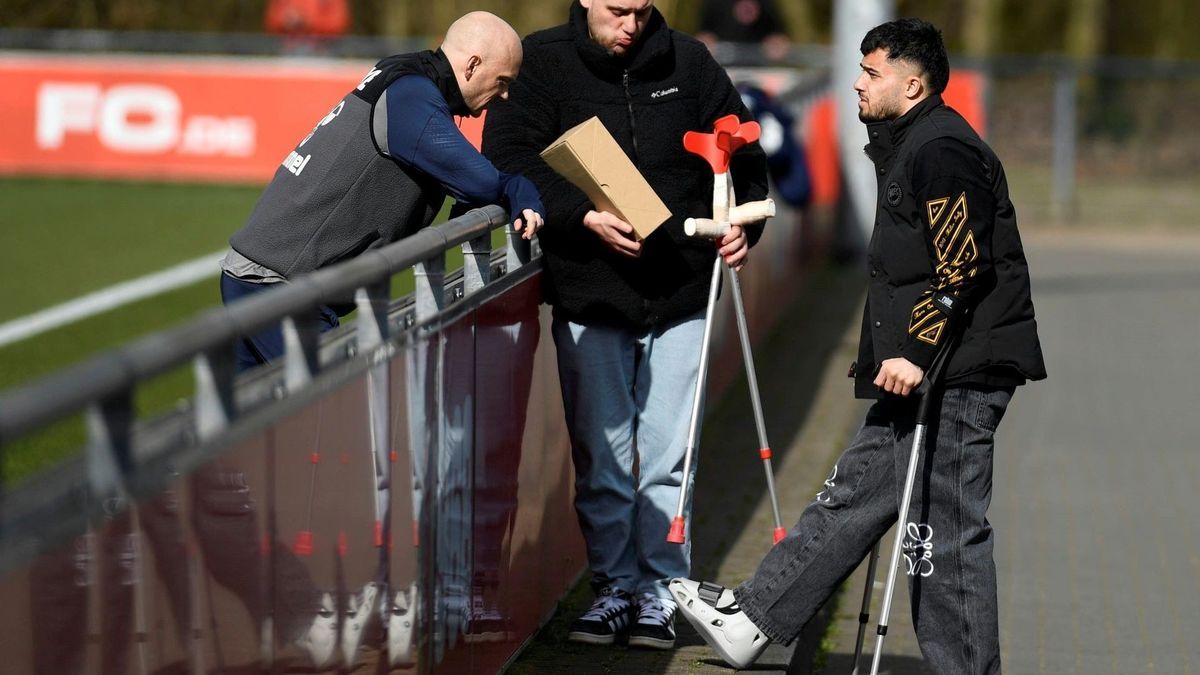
(885, 112)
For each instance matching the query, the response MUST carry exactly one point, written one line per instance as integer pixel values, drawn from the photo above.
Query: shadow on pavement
(838, 664)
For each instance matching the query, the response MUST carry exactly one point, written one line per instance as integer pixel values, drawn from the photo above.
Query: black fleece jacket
(667, 85)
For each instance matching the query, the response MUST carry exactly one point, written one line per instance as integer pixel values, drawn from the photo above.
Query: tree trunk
(1085, 29)
(396, 20)
(981, 21)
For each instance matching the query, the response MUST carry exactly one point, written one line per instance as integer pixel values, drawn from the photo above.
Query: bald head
(482, 31)
(485, 53)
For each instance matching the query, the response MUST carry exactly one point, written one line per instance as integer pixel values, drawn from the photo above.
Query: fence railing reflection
(268, 523)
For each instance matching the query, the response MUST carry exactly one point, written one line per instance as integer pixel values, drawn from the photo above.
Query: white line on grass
(112, 297)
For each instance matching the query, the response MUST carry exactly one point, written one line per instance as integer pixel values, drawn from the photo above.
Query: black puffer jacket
(668, 85)
(945, 256)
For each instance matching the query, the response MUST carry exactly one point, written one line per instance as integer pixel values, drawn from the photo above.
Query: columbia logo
(664, 92)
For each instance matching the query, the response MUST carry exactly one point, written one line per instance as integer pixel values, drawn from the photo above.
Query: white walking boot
(714, 613)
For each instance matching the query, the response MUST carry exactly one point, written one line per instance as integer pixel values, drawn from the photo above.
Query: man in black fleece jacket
(628, 314)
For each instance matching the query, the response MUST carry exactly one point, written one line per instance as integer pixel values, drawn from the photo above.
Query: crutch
(932, 376)
(864, 614)
(716, 148)
(764, 451)
(675, 535)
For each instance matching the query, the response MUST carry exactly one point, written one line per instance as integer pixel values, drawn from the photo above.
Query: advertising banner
(236, 120)
(174, 118)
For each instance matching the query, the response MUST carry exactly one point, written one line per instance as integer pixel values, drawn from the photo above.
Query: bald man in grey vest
(378, 167)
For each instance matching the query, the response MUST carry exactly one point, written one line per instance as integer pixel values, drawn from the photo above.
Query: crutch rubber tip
(675, 536)
(780, 533)
(304, 543)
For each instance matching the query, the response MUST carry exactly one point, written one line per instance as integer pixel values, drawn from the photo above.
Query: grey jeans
(947, 548)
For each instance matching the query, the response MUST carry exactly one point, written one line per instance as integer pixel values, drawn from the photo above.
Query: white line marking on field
(112, 297)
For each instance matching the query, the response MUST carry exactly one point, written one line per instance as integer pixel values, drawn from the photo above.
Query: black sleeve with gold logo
(958, 207)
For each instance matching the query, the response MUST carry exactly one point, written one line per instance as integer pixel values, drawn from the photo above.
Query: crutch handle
(740, 214)
(706, 228)
(744, 214)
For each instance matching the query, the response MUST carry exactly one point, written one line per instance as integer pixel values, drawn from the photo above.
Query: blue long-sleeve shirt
(420, 132)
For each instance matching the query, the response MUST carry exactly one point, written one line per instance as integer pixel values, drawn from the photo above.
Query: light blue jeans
(628, 398)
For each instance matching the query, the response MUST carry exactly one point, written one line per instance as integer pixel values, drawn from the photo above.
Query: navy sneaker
(610, 615)
(655, 627)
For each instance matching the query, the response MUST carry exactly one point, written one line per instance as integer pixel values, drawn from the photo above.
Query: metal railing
(124, 456)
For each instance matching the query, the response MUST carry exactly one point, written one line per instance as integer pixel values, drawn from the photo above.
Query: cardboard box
(589, 157)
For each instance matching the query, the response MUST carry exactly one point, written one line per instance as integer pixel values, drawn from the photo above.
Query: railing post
(373, 332)
(109, 448)
(430, 293)
(372, 302)
(1066, 88)
(477, 269)
(517, 251)
(214, 408)
(301, 340)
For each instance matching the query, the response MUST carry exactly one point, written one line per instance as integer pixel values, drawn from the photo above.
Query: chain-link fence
(1114, 144)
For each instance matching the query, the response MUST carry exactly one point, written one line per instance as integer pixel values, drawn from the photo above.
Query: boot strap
(710, 593)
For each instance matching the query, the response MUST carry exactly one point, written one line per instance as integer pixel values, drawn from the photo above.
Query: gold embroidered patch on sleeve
(952, 225)
(926, 322)
(933, 208)
(932, 334)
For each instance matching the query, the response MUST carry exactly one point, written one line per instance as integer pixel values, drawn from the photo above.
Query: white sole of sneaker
(650, 643)
(589, 639)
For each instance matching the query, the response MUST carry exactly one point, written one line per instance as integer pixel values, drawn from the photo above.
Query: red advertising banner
(230, 119)
(195, 118)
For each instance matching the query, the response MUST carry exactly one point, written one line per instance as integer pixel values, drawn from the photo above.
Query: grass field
(62, 238)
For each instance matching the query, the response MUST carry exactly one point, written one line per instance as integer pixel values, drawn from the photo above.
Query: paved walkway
(1097, 520)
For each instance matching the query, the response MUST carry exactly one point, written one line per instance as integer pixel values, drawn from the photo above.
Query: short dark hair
(916, 41)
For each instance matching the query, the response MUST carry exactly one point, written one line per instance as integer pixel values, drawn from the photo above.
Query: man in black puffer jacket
(628, 314)
(945, 263)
